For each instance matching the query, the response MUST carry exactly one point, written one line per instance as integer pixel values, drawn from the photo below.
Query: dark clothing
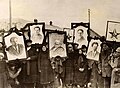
(3, 75)
(94, 73)
(32, 66)
(45, 68)
(69, 68)
(105, 66)
(80, 77)
(115, 77)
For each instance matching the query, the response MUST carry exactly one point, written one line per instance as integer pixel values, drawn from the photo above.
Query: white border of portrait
(32, 33)
(52, 38)
(70, 37)
(85, 35)
(20, 41)
(113, 31)
(90, 49)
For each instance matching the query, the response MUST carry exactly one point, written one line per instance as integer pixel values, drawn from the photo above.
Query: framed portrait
(113, 31)
(57, 44)
(94, 49)
(15, 47)
(69, 34)
(81, 36)
(36, 34)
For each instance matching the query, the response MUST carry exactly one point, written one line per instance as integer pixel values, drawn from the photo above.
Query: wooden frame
(81, 33)
(70, 34)
(57, 44)
(94, 55)
(15, 46)
(113, 31)
(28, 31)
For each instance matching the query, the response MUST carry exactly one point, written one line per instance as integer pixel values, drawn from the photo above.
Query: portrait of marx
(56, 45)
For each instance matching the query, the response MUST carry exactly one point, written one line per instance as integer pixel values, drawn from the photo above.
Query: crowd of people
(73, 71)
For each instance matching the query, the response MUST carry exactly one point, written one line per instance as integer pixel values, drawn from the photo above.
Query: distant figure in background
(37, 36)
(15, 49)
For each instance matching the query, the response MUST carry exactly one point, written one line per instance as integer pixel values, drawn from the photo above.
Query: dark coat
(105, 66)
(69, 68)
(32, 66)
(3, 75)
(45, 68)
(80, 77)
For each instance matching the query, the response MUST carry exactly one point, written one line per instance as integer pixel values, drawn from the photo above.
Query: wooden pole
(10, 14)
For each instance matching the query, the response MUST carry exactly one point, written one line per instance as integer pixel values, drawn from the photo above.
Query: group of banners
(57, 40)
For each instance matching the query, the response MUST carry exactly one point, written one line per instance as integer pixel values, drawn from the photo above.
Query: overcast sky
(63, 12)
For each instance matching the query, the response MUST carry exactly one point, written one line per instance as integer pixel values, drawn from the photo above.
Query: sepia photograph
(57, 47)
(15, 47)
(59, 44)
(94, 50)
(36, 33)
(81, 36)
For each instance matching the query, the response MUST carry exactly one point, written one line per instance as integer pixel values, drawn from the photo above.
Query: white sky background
(63, 12)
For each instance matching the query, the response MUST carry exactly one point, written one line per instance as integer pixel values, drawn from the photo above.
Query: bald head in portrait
(15, 48)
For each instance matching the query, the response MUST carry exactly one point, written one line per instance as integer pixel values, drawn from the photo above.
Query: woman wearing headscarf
(81, 70)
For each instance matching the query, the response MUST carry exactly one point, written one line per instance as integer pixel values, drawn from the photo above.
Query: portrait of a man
(57, 48)
(36, 34)
(81, 36)
(94, 50)
(15, 48)
(56, 45)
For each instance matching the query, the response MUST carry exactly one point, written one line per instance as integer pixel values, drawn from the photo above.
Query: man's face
(95, 46)
(80, 33)
(1, 57)
(70, 47)
(44, 48)
(105, 47)
(76, 47)
(37, 31)
(57, 43)
(80, 51)
(14, 41)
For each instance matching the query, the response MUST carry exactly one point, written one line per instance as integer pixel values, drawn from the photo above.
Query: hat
(118, 49)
